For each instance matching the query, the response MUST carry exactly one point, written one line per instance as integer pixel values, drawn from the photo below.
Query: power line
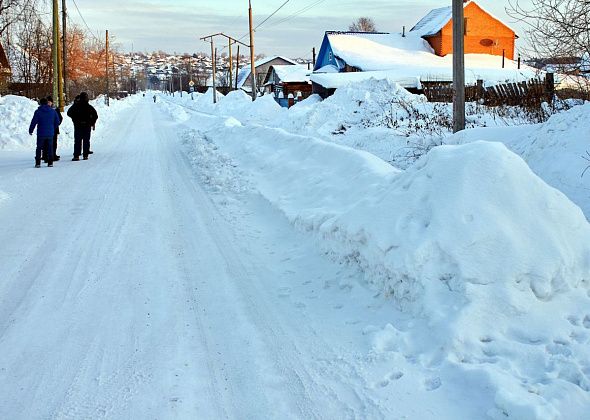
(271, 15)
(84, 20)
(297, 13)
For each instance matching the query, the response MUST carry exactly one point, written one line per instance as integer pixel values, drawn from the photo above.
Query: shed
(285, 80)
(262, 66)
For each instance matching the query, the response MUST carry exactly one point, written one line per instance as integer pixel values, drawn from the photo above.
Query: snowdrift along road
(468, 238)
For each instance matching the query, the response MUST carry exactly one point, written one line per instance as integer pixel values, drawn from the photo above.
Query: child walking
(47, 121)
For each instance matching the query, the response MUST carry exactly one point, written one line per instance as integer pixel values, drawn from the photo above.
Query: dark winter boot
(76, 158)
(56, 158)
(50, 164)
(37, 163)
(85, 158)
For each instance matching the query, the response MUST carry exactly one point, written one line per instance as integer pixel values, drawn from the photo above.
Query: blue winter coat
(46, 120)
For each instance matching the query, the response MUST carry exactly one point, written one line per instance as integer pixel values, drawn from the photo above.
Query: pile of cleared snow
(205, 103)
(469, 239)
(16, 112)
(369, 103)
(554, 150)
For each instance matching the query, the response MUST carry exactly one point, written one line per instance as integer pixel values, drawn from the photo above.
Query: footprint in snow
(586, 321)
(432, 384)
(389, 378)
(284, 292)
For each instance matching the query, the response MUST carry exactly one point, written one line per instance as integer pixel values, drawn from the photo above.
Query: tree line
(26, 34)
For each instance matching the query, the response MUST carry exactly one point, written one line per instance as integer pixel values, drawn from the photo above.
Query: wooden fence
(529, 94)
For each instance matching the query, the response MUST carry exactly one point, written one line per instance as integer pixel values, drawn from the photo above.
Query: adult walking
(47, 122)
(84, 117)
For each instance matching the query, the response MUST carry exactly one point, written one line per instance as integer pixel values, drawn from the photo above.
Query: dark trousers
(45, 145)
(55, 146)
(81, 140)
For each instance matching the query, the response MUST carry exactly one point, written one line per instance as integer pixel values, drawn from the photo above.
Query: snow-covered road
(125, 294)
(203, 265)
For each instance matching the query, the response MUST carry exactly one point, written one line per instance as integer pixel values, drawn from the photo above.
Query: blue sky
(176, 25)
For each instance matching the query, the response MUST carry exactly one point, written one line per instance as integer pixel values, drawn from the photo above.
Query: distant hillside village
(419, 58)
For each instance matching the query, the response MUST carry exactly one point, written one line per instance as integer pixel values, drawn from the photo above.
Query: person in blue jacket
(47, 121)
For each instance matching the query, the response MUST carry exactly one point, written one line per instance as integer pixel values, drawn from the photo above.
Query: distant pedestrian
(84, 117)
(154, 98)
(47, 122)
(61, 118)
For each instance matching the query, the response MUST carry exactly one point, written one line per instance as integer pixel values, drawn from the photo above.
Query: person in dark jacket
(46, 121)
(61, 118)
(84, 117)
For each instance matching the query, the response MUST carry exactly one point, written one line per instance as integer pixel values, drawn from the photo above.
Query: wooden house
(288, 83)
(262, 66)
(484, 33)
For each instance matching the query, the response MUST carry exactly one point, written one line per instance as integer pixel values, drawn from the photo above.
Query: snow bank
(205, 101)
(16, 112)
(352, 105)
(554, 150)
(468, 239)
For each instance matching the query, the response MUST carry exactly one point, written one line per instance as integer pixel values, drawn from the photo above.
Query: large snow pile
(14, 130)
(204, 102)
(368, 103)
(554, 150)
(495, 262)
(16, 112)
(239, 104)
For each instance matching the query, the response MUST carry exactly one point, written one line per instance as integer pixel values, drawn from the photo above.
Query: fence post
(480, 91)
(549, 86)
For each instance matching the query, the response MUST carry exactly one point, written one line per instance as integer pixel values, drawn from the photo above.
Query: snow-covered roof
(245, 71)
(292, 73)
(434, 21)
(412, 73)
(378, 51)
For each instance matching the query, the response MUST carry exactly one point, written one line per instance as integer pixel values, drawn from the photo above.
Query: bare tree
(363, 24)
(555, 29)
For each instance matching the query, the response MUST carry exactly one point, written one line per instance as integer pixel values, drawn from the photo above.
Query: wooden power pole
(64, 43)
(55, 51)
(231, 65)
(107, 68)
(237, 66)
(458, 66)
(252, 63)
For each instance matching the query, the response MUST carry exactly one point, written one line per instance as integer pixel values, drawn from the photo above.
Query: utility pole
(237, 66)
(65, 50)
(107, 67)
(209, 38)
(252, 63)
(458, 66)
(214, 70)
(313, 54)
(55, 51)
(231, 65)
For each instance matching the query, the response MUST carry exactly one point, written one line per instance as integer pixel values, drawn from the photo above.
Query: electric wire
(84, 20)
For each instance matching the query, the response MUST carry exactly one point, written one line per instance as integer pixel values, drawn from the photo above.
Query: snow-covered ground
(240, 260)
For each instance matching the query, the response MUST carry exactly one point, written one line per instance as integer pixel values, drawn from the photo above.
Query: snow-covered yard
(241, 260)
